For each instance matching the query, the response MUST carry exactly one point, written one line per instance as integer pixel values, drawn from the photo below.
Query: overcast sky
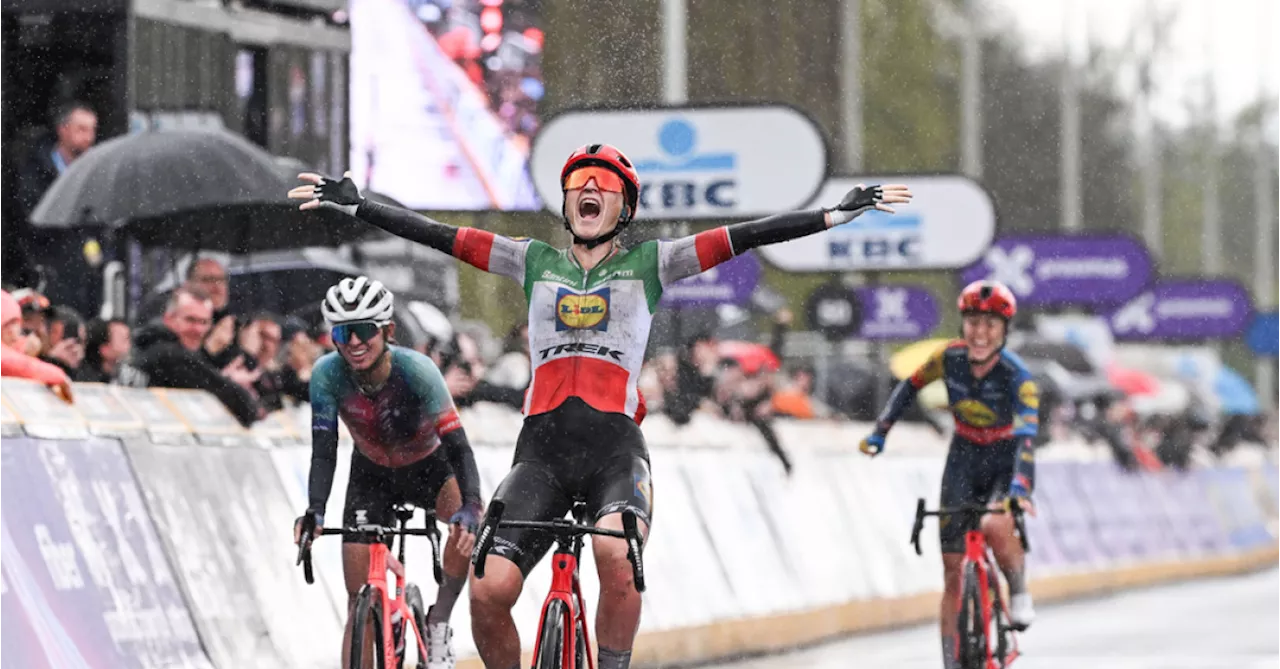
(1230, 40)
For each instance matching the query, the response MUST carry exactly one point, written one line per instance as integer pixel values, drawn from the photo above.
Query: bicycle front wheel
(969, 624)
(551, 650)
(367, 622)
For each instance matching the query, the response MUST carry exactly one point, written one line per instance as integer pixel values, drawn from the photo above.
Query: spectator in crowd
(66, 339)
(14, 362)
(75, 131)
(106, 343)
(168, 354)
(260, 340)
(513, 369)
(301, 353)
(743, 395)
(464, 370)
(694, 381)
(35, 318)
(795, 399)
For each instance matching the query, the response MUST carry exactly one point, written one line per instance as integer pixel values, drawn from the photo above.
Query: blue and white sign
(897, 312)
(949, 223)
(1263, 335)
(734, 162)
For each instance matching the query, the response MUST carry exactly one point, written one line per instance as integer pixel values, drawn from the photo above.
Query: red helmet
(604, 155)
(988, 297)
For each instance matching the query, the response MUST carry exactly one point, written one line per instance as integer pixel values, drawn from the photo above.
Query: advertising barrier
(1189, 309)
(86, 582)
(135, 553)
(1084, 270)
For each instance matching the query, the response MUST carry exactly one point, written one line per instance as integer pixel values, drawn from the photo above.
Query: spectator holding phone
(14, 362)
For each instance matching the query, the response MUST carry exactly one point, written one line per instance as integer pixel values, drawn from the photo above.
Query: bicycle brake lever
(632, 532)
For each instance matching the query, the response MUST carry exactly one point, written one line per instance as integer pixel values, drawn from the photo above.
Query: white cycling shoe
(440, 646)
(1021, 612)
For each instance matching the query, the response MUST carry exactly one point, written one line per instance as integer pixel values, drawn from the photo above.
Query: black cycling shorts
(374, 490)
(571, 453)
(975, 474)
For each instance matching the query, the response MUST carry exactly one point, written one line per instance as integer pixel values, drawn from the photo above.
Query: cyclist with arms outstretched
(590, 310)
(409, 448)
(992, 456)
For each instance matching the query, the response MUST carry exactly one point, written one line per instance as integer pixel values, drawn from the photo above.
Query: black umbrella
(189, 189)
(1071, 357)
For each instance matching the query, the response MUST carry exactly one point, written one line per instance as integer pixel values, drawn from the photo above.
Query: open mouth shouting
(590, 207)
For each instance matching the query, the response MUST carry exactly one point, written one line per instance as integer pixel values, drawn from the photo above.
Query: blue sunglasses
(364, 330)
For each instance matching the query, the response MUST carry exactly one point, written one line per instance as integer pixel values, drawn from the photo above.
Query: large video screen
(444, 101)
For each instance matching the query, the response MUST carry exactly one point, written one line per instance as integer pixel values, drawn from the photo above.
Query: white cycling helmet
(358, 299)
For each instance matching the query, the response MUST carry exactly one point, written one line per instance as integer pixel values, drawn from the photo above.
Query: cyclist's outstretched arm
(697, 253)
(324, 437)
(905, 392)
(481, 249)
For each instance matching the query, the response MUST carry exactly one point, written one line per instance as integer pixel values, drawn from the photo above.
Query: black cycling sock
(1017, 579)
(614, 659)
(949, 659)
(445, 598)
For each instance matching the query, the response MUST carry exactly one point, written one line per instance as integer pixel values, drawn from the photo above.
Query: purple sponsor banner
(897, 312)
(1231, 499)
(1184, 309)
(1044, 270)
(1065, 514)
(731, 282)
(86, 583)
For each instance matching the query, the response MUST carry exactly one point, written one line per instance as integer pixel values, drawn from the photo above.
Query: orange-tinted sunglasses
(606, 179)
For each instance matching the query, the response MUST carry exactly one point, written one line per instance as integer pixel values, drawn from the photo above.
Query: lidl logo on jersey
(684, 177)
(582, 311)
(876, 238)
(974, 413)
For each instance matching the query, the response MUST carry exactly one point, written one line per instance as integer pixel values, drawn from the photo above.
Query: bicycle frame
(380, 560)
(565, 584)
(978, 554)
(566, 587)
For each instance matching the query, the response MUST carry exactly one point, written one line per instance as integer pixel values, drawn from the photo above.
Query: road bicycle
(988, 638)
(562, 641)
(376, 607)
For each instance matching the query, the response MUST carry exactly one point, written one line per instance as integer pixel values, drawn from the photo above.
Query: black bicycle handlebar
(974, 512)
(563, 530)
(377, 533)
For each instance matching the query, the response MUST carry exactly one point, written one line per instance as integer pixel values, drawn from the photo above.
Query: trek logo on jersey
(580, 347)
(974, 413)
(582, 311)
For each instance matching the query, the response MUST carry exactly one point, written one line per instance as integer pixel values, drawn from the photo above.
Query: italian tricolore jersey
(588, 330)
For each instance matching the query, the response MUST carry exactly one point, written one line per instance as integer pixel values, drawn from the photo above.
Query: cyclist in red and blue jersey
(590, 309)
(409, 448)
(992, 457)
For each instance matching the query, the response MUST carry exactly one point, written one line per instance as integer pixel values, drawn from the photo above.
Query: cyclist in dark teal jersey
(992, 457)
(409, 446)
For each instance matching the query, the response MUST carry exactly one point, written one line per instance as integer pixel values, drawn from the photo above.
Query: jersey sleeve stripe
(447, 422)
(473, 247)
(713, 247)
(491, 253)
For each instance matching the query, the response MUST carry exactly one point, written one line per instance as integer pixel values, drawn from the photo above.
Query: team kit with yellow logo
(995, 416)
